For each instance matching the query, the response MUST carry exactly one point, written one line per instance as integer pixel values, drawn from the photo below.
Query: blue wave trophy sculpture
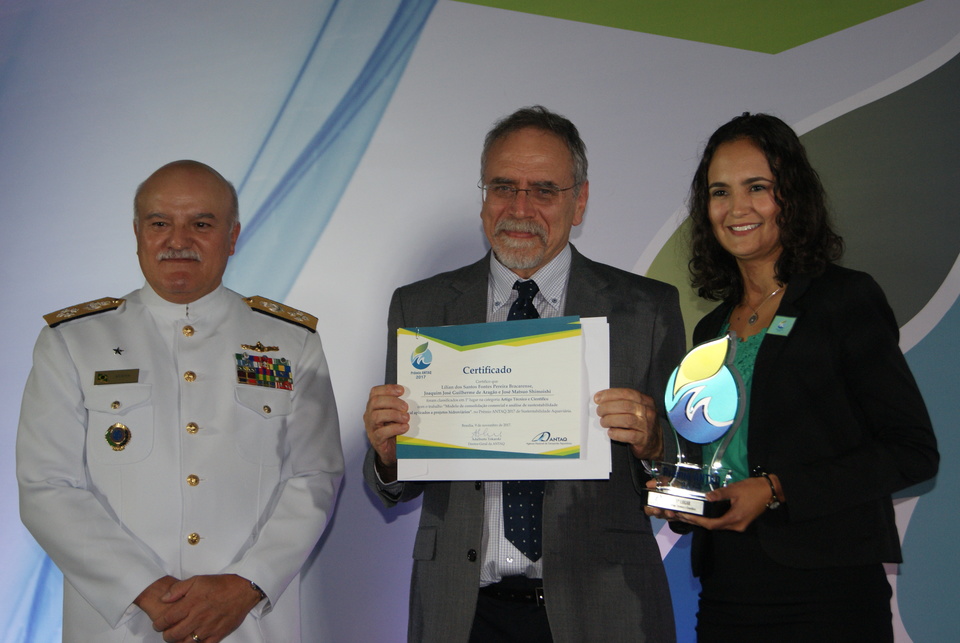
(704, 402)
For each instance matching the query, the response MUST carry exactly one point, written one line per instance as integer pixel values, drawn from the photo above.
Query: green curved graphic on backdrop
(756, 25)
(890, 194)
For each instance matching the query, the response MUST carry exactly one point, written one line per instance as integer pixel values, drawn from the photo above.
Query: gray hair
(541, 118)
(233, 214)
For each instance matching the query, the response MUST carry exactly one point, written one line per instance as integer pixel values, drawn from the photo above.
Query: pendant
(753, 319)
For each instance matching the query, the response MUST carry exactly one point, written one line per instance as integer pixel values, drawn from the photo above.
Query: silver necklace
(756, 311)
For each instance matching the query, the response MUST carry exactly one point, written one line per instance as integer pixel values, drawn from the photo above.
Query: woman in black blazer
(834, 424)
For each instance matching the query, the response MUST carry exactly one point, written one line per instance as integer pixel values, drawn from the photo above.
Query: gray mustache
(528, 227)
(178, 254)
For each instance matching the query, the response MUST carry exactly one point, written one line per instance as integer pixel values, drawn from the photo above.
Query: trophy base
(686, 502)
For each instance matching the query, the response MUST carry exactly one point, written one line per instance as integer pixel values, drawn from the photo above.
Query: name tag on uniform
(125, 376)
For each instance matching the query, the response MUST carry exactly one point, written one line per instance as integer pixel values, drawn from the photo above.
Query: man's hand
(385, 418)
(149, 599)
(631, 417)
(206, 607)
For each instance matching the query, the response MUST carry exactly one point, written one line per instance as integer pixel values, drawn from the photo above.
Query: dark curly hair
(806, 234)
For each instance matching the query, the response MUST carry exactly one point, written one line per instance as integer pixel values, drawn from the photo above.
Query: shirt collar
(551, 279)
(169, 311)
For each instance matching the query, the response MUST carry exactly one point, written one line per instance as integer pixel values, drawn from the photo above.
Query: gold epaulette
(82, 310)
(286, 313)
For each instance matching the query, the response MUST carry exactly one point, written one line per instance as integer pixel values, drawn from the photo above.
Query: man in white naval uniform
(179, 452)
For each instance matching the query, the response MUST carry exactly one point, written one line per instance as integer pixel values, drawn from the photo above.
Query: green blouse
(735, 457)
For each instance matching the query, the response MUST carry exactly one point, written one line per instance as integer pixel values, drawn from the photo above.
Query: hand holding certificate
(506, 400)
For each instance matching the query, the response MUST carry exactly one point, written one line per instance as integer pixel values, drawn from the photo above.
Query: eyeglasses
(502, 193)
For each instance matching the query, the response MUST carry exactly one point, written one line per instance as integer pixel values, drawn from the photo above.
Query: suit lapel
(773, 345)
(586, 288)
(468, 301)
(767, 358)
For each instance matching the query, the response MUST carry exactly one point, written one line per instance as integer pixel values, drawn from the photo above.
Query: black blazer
(837, 415)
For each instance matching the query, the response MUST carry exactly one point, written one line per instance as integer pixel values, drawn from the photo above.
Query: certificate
(504, 400)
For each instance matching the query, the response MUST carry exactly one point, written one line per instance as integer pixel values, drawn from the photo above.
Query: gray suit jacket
(602, 574)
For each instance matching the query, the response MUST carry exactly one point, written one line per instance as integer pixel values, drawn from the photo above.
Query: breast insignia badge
(118, 436)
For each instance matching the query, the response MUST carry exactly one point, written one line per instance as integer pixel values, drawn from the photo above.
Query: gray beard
(519, 254)
(518, 259)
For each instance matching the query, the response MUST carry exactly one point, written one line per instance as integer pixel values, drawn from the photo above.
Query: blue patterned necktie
(523, 499)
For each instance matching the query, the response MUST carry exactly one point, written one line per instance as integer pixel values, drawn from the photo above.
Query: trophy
(704, 401)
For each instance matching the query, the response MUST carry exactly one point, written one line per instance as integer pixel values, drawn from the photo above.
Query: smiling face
(525, 236)
(742, 205)
(186, 230)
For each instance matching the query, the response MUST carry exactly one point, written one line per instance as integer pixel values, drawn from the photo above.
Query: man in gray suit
(594, 571)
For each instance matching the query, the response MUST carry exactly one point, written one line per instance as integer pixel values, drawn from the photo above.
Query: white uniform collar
(168, 311)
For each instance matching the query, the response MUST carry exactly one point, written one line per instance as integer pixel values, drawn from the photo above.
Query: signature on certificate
(484, 434)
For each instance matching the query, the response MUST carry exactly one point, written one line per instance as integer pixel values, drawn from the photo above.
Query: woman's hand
(657, 512)
(748, 499)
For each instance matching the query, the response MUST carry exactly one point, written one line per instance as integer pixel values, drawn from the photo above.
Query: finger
(175, 593)
(733, 520)
(384, 425)
(392, 390)
(387, 432)
(621, 405)
(626, 415)
(385, 397)
(723, 493)
(699, 521)
(376, 417)
(612, 394)
(183, 632)
(625, 421)
(629, 436)
(386, 402)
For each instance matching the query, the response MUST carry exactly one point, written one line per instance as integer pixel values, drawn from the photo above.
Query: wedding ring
(196, 638)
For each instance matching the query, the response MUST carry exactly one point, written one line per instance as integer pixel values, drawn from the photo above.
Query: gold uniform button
(193, 480)
(193, 538)
(115, 405)
(189, 376)
(187, 331)
(266, 409)
(192, 427)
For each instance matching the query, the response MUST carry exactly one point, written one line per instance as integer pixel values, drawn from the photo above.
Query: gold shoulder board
(286, 313)
(82, 310)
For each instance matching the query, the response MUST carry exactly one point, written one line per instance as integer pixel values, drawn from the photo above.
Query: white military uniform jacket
(202, 473)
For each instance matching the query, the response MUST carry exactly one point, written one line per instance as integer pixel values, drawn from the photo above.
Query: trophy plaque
(704, 402)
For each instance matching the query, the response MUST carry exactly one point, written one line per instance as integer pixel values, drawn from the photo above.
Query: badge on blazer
(260, 370)
(118, 436)
(781, 325)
